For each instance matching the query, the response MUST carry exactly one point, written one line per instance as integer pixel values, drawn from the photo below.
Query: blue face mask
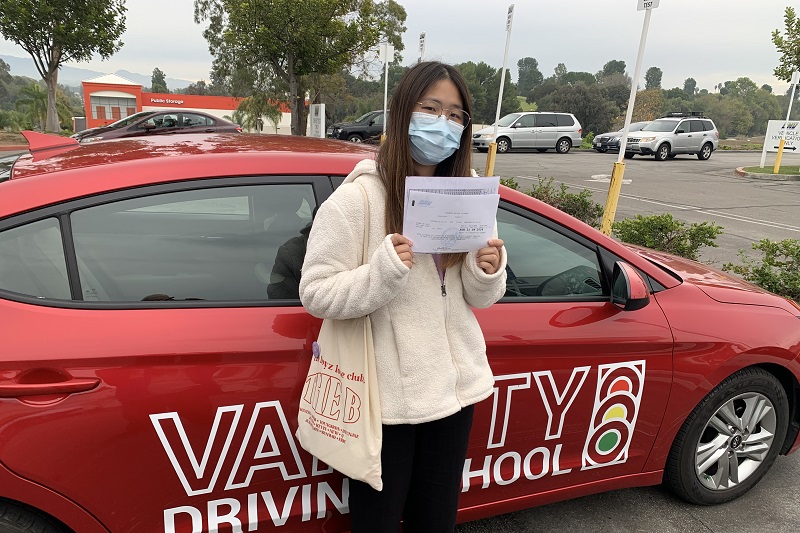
(433, 139)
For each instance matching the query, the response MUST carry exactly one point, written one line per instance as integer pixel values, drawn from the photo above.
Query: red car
(154, 349)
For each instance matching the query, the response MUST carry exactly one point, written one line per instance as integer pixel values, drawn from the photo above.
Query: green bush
(664, 233)
(580, 205)
(587, 141)
(778, 271)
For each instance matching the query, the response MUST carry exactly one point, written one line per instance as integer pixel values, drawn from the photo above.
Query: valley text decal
(244, 442)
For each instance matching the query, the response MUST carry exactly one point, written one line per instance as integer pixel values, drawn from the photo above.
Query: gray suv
(677, 133)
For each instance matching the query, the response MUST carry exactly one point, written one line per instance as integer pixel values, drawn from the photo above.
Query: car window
(377, 119)
(565, 120)
(168, 120)
(32, 260)
(224, 244)
(190, 119)
(543, 262)
(697, 125)
(525, 121)
(508, 120)
(707, 125)
(660, 126)
(546, 120)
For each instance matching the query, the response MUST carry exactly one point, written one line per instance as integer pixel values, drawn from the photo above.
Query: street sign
(317, 120)
(795, 78)
(421, 44)
(647, 4)
(385, 53)
(791, 135)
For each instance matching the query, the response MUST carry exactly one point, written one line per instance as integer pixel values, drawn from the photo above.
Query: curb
(772, 177)
(14, 148)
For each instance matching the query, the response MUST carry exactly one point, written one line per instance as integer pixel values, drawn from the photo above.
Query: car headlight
(613, 139)
(647, 139)
(92, 139)
(486, 136)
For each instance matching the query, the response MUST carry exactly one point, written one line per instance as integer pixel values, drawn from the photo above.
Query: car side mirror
(680, 131)
(629, 291)
(149, 126)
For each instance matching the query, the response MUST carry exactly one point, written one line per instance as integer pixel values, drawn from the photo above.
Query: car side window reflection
(32, 260)
(222, 244)
(545, 263)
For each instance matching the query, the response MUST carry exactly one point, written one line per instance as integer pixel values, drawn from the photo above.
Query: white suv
(677, 133)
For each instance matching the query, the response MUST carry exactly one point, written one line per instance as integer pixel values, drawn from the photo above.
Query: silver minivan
(540, 130)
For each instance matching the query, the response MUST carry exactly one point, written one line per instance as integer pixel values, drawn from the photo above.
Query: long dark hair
(394, 156)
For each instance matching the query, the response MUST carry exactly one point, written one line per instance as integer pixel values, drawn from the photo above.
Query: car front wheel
(663, 152)
(563, 146)
(503, 145)
(19, 518)
(730, 440)
(705, 152)
(354, 138)
(629, 155)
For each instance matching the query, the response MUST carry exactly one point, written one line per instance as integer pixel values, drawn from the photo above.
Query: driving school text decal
(244, 442)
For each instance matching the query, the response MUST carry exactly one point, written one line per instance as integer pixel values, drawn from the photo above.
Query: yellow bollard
(490, 157)
(778, 157)
(383, 137)
(613, 197)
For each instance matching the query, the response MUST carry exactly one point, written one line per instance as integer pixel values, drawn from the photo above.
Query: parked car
(159, 123)
(677, 133)
(543, 131)
(610, 141)
(155, 350)
(366, 128)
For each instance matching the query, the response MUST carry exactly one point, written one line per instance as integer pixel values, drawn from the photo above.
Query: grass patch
(785, 169)
(525, 105)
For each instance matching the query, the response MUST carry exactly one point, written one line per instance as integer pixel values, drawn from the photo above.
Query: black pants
(422, 466)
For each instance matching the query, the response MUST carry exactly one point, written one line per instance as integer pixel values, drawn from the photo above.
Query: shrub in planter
(665, 233)
(779, 268)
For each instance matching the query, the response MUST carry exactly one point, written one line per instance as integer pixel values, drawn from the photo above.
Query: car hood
(717, 284)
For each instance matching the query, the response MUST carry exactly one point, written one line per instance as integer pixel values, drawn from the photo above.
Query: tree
(158, 82)
(32, 102)
(529, 76)
(788, 45)
(612, 67)
(652, 78)
(588, 103)
(484, 84)
(278, 42)
(560, 72)
(571, 78)
(767, 88)
(617, 88)
(689, 86)
(252, 108)
(59, 31)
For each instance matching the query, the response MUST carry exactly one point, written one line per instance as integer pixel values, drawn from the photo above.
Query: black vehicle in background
(366, 128)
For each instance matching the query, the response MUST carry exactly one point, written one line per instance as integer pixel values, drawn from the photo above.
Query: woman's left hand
(489, 258)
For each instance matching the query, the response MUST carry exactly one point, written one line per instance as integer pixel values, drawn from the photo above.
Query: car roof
(50, 176)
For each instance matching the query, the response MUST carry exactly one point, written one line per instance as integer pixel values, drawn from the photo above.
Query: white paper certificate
(448, 223)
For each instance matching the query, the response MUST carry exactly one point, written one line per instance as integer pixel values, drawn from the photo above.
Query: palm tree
(32, 102)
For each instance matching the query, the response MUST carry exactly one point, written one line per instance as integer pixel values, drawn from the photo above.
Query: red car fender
(693, 378)
(34, 495)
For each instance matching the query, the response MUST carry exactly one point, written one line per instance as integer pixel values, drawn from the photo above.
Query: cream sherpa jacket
(429, 349)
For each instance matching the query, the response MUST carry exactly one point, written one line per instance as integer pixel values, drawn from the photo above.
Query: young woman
(429, 350)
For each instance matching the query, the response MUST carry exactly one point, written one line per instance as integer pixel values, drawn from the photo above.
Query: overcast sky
(711, 41)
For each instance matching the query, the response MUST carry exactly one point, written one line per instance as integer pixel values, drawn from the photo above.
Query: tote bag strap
(366, 224)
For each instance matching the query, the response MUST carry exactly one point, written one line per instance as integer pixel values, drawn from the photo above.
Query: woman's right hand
(402, 246)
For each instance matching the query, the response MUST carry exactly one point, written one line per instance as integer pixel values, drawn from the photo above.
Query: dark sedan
(164, 122)
(610, 141)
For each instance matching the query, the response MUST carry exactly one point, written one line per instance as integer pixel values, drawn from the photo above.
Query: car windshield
(508, 119)
(363, 117)
(660, 125)
(636, 126)
(127, 121)
(6, 164)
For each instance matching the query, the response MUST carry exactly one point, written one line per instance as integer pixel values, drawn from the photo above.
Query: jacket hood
(367, 166)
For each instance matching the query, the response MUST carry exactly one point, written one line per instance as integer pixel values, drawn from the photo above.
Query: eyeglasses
(432, 107)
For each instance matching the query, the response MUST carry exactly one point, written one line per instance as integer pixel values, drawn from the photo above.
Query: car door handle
(209, 130)
(13, 390)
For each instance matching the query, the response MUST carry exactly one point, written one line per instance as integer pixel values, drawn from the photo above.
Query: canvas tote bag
(339, 420)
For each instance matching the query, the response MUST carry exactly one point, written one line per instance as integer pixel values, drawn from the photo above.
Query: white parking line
(739, 218)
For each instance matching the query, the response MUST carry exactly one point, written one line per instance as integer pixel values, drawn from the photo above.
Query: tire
(541, 150)
(354, 138)
(662, 152)
(672, 156)
(563, 145)
(503, 145)
(718, 434)
(629, 155)
(705, 152)
(482, 150)
(602, 150)
(19, 518)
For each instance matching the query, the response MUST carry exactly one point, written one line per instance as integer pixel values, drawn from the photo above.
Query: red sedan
(154, 349)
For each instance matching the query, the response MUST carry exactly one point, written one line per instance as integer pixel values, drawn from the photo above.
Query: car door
(580, 386)
(683, 137)
(699, 134)
(159, 392)
(194, 123)
(546, 130)
(522, 132)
